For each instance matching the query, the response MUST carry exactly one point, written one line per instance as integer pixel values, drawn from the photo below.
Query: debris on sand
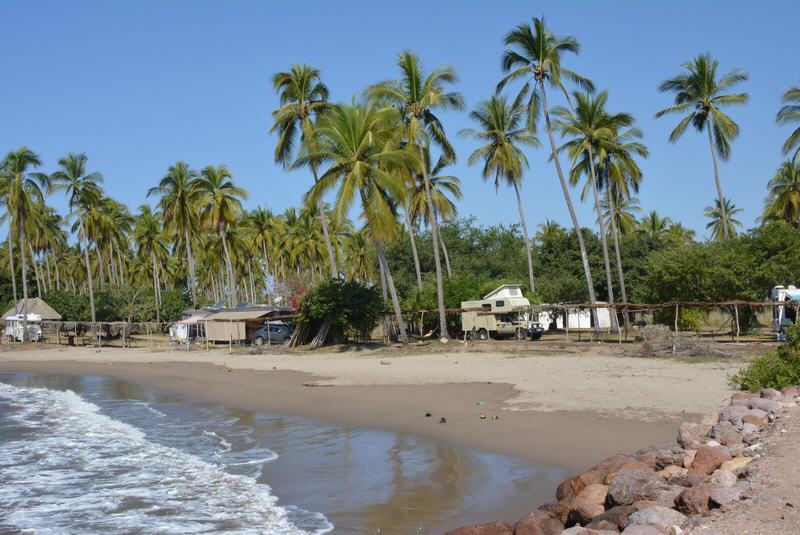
(660, 341)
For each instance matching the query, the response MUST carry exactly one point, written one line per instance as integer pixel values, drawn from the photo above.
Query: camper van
(784, 315)
(502, 312)
(15, 327)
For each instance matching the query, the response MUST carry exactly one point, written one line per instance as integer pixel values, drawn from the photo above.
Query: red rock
(635, 485)
(615, 516)
(587, 505)
(697, 500)
(707, 460)
(493, 528)
(690, 435)
(726, 433)
(564, 489)
(790, 392)
(771, 393)
(538, 523)
(752, 419)
(558, 510)
(633, 464)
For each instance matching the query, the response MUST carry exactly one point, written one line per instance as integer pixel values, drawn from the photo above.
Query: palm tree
(621, 213)
(267, 228)
(679, 235)
(592, 133)
(358, 140)
(549, 230)
(22, 188)
(83, 191)
(418, 97)
(783, 201)
(721, 219)
(499, 126)
(150, 243)
(441, 186)
(535, 57)
(304, 99)
(790, 113)
(177, 204)
(699, 97)
(219, 201)
(653, 225)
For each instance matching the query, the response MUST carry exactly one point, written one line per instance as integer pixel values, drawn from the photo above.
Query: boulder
(741, 398)
(633, 464)
(723, 478)
(696, 500)
(752, 419)
(603, 526)
(688, 457)
(790, 392)
(574, 485)
(658, 516)
(771, 393)
(615, 516)
(634, 485)
(748, 428)
(587, 505)
(734, 413)
(493, 528)
(690, 435)
(558, 510)
(538, 523)
(726, 433)
(724, 495)
(689, 480)
(639, 529)
(736, 463)
(708, 459)
(766, 405)
(673, 471)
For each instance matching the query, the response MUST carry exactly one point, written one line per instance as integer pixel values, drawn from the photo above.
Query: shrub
(72, 307)
(352, 308)
(689, 319)
(776, 369)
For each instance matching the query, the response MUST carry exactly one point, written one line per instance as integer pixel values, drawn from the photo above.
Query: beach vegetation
(778, 368)
(351, 308)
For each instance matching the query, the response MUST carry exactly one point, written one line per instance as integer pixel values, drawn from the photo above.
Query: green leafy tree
(699, 97)
(720, 219)
(353, 309)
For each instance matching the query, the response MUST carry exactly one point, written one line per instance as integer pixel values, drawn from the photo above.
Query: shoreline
(564, 439)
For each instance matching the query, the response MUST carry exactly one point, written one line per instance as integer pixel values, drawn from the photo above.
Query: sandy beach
(558, 407)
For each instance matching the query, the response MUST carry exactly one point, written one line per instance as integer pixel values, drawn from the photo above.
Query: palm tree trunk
(325, 233)
(615, 234)
(252, 286)
(435, 239)
(121, 267)
(229, 269)
(525, 236)
(89, 281)
(413, 245)
(155, 287)
(723, 210)
(49, 274)
(190, 260)
(387, 324)
(58, 278)
(603, 241)
(393, 292)
(35, 271)
(584, 256)
(11, 266)
(446, 256)
(21, 226)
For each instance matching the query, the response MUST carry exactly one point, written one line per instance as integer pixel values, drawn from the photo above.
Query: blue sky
(139, 85)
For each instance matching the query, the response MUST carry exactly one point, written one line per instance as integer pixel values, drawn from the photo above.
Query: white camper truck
(502, 312)
(786, 314)
(15, 327)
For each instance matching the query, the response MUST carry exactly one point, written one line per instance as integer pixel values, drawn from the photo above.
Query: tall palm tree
(654, 225)
(721, 219)
(23, 192)
(534, 55)
(358, 140)
(219, 201)
(699, 97)
(679, 235)
(549, 230)
(442, 187)
(82, 190)
(304, 99)
(790, 113)
(783, 201)
(591, 132)
(501, 127)
(267, 229)
(417, 98)
(622, 213)
(150, 244)
(177, 203)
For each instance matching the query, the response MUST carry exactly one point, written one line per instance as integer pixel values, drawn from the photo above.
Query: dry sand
(566, 409)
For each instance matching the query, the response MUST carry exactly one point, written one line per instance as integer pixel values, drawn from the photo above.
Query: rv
(15, 327)
(502, 312)
(786, 314)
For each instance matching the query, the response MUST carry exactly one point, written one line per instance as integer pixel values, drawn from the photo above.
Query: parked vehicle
(15, 327)
(503, 312)
(784, 315)
(275, 333)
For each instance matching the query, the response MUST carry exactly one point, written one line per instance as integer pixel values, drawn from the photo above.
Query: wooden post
(736, 313)
(230, 336)
(205, 331)
(124, 328)
(566, 322)
(675, 338)
(269, 335)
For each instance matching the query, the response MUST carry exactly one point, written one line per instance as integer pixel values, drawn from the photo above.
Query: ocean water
(100, 455)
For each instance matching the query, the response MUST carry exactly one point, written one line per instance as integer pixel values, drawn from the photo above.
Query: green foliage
(776, 369)
(689, 319)
(72, 307)
(352, 308)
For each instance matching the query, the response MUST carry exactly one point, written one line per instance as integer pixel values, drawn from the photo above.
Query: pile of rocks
(664, 489)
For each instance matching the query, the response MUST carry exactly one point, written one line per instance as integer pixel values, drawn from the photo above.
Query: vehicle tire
(520, 334)
(259, 341)
(483, 334)
(287, 341)
(536, 336)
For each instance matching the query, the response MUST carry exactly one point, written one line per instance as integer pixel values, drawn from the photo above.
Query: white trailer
(15, 327)
(785, 314)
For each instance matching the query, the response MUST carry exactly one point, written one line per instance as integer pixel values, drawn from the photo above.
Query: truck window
(500, 303)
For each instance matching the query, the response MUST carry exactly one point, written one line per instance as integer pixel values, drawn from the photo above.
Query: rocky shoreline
(666, 489)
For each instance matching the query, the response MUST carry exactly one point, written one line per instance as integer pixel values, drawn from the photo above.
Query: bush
(777, 369)
(72, 307)
(352, 308)
(689, 319)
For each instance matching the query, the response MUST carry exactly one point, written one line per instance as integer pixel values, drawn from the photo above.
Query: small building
(238, 325)
(37, 311)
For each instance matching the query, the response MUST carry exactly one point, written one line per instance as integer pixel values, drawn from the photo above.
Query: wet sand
(568, 439)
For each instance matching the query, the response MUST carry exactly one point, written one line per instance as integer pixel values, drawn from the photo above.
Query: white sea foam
(66, 467)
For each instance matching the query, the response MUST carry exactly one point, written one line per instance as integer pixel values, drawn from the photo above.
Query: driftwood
(322, 334)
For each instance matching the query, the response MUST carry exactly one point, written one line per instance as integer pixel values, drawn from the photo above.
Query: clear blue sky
(139, 85)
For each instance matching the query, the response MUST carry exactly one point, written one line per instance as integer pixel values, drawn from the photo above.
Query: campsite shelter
(238, 325)
(35, 306)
